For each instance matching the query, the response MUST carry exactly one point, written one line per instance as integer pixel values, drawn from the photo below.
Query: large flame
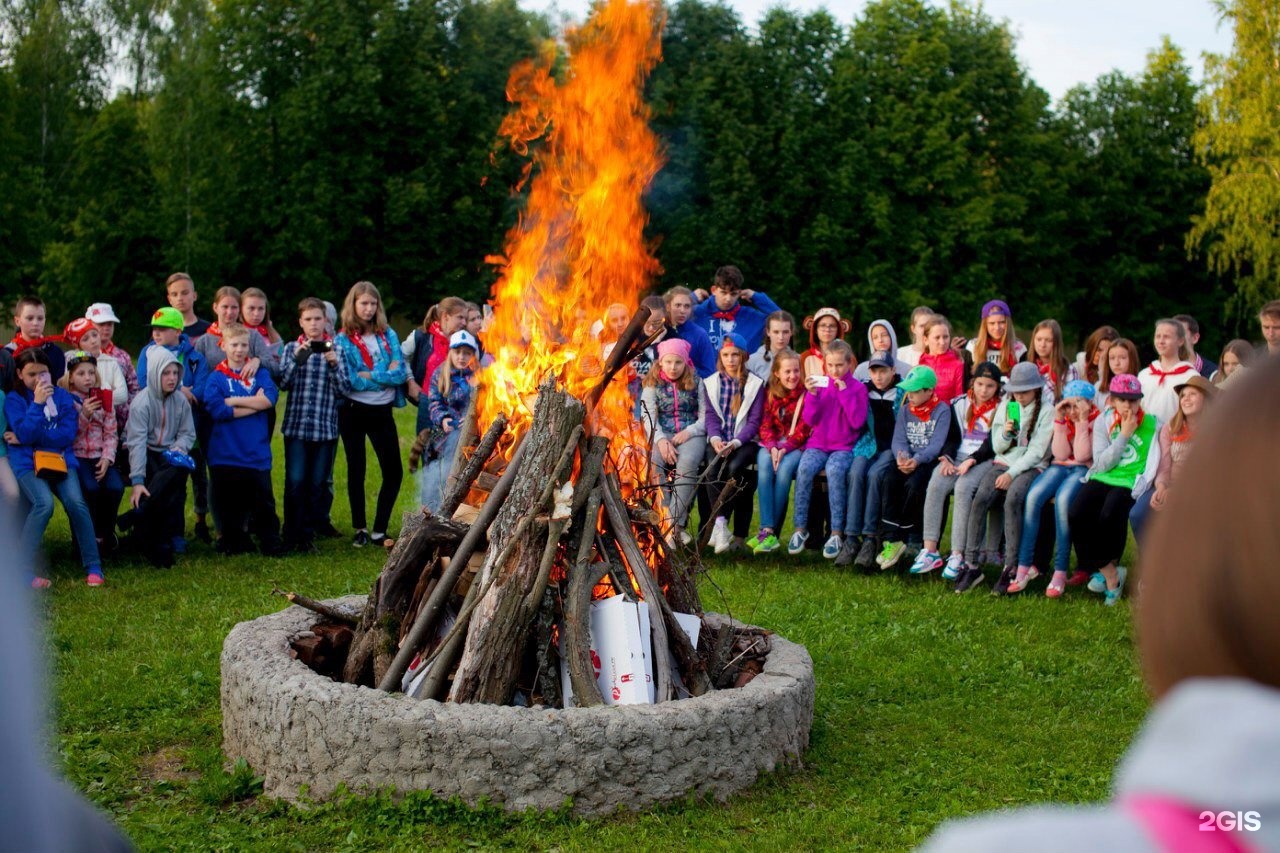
(579, 244)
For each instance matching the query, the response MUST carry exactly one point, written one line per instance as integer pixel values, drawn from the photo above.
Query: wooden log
(329, 612)
(583, 577)
(546, 684)
(412, 553)
(620, 355)
(460, 480)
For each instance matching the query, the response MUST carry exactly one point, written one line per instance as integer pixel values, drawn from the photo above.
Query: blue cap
(1078, 388)
(735, 340)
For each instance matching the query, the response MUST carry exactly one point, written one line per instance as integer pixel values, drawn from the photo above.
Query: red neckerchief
(1164, 374)
(1046, 370)
(730, 315)
(925, 411)
(262, 330)
(1115, 420)
(994, 344)
(109, 348)
(20, 343)
(1184, 434)
(214, 330)
(304, 341)
(980, 410)
(226, 370)
(365, 355)
(1071, 424)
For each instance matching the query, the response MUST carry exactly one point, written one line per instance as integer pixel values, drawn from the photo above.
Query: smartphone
(44, 378)
(1013, 413)
(321, 346)
(821, 381)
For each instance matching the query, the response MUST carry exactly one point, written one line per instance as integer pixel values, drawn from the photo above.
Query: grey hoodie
(157, 421)
(862, 372)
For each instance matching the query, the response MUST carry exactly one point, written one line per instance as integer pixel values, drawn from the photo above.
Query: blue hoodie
(36, 430)
(701, 351)
(193, 364)
(242, 442)
(748, 319)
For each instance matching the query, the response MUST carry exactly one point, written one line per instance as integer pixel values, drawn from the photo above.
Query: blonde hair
(1184, 340)
(444, 381)
(687, 381)
(223, 292)
(1008, 345)
(236, 330)
(351, 322)
(176, 277)
(775, 383)
(443, 308)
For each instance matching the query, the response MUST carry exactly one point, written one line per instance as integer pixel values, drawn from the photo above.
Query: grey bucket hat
(1025, 376)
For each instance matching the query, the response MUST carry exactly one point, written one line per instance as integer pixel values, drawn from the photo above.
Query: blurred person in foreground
(1203, 772)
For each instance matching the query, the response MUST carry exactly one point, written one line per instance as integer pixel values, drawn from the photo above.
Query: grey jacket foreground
(1212, 744)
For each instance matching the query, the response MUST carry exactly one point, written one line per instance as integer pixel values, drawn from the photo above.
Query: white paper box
(619, 653)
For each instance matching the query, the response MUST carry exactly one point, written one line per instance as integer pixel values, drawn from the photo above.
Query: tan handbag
(50, 465)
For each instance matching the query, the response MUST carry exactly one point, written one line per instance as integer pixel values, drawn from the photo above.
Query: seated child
(448, 398)
(97, 441)
(733, 408)
(866, 474)
(779, 328)
(82, 334)
(783, 435)
(672, 410)
(1176, 439)
(947, 364)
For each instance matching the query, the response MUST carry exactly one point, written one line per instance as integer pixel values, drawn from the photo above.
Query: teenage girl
(674, 416)
(255, 314)
(1236, 355)
(779, 328)
(1175, 439)
(1161, 378)
(1122, 357)
(1049, 355)
(447, 402)
(881, 337)
(824, 326)
(997, 340)
(948, 365)
(734, 404)
(371, 351)
(1089, 363)
(428, 347)
(783, 433)
(911, 354)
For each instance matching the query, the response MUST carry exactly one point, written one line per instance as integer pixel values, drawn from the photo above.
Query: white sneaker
(954, 564)
(721, 538)
(796, 545)
(831, 549)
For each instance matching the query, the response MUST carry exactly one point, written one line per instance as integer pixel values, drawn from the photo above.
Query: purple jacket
(837, 417)
(746, 426)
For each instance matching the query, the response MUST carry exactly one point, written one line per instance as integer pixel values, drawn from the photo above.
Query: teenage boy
(316, 379)
(28, 322)
(1205, 367)
(679, 301)
(181, 291)
(1269, 318)
(733, 309)
(862, 519)
(239, 451)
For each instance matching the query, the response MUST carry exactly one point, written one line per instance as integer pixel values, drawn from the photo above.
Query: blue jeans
(40, 494)
(307, 468)
(432, 477)
(836, 465)
(1058, 483)
(879, 467)
(856, 486)
(775, 486)
(1141, 510)
(102, 497)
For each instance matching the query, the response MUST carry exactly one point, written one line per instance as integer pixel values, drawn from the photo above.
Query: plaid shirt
(728, 388)
(311, 409)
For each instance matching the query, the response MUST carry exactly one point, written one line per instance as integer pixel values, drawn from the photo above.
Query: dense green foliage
(898, 158)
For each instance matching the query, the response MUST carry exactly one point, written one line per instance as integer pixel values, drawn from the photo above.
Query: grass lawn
(929, 705)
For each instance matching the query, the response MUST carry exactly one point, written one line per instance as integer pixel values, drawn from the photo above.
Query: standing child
(95, 447)
(448, 398)
(1172, 367)
(226, 311)
(733, 405)
(779, 328)
(947, 364)
(1049, 356)
(239, 450)
(679, 304)
(1237, 354)
(428, 347)
(29, 321)
(783, 435)
(105, 320)
(733, 309)
(673, 412)
(1175, 441)
(882, 338)
(835, 406)
(181, 292)
(824, 326)
(315, 379)
(255, 313)
(911, 354)
(866, 477)
(997, 340)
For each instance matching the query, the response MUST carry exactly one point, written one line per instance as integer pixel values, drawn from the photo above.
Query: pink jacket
(96, 434)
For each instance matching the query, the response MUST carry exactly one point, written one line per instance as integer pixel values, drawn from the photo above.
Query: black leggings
(718, 472)
(1099, 522)
(355, 422)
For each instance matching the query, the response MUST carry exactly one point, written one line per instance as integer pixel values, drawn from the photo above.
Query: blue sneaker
(179, 544)
(796, 545)
(831, 548)
(1112, 596)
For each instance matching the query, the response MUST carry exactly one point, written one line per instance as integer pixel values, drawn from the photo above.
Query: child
(947, 364)
(1020, 436)
(911, 354)
(835, 406)
(95, 445)
(734, 404)
(239, 450)
(105, 320)
(226, 311)
(316, 380)
(1237, 354)
(862, 518)
(1049, 355)
(448, 398)
(1172, 367)
(82, 334)
(997, 340)
(255, 314)
(1122, 357)
(1072, 452)
(371, 350)
(475, 325)
(1269, 320)
(643, 363)
(779, 327)
(974, 413)
(1204, 366)
(920, 438)
(181, 292)
(161, 433)
(679, 305)
(1089, 363)
(1175, 441)
(673, 411)
(428, 347)
(783, 435)
(732, 308)
(882, 338)
(28, 321)
(9, 493)
(824, 327)
(42, 418)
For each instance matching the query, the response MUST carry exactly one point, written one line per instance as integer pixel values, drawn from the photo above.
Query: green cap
(168, 318)
(920, 378)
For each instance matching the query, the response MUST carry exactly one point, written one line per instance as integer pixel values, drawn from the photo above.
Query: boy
(239, 451)
(105, 319)
(733, 309)
(679, 302)
(159, 421)
(28, 322)
(181, 291)
(778, 330)
(1205, 367)
(315, 378)
(1269, 318)
(884, 398)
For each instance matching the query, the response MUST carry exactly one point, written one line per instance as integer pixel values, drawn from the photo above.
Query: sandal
(95, 579)
(41, 583)
(1057, 585)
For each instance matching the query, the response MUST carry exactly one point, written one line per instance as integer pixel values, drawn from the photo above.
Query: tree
(1239, 143)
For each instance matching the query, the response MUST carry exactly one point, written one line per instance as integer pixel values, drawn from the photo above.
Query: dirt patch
(168, 764)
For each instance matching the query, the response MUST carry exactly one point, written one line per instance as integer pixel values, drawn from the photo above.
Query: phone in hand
(321, 346)
(1013, 414)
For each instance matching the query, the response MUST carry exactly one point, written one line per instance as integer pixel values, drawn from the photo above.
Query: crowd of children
(1037, 453)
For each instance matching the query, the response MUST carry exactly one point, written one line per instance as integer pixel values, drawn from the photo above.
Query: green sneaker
(767, 545)
(891, 554)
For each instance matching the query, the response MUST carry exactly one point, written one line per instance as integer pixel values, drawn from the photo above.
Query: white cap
(100, 312)
(463, 338)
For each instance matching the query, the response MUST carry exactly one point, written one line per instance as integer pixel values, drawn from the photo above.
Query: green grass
(929, 705)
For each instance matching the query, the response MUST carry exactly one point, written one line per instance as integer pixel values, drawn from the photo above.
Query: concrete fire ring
(307, 734)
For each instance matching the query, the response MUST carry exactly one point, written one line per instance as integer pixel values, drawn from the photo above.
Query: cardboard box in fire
(416, 674)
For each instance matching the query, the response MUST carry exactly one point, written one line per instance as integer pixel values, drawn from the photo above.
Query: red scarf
(980, 410)
(1071, 424)
(925, 411)
(1046, 370)
(214, 330)
(1164, 374)
(1115, 420)
(20, 343)
(262, 330)
(1183, 434)
(993, 343)
(226, 370)
(729, 315)
(365, 355)
(109, 349)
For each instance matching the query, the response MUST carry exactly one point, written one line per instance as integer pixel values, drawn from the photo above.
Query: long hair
(779, 317)
(1242, 350)
(1058, 364)
(1093, 343)
(444, 381)
(775, 382)
(257, 293)
(935, 320)
(687, 381)
(741, 377)
(446, 306)
(1184, 340)
(1131, 349)
(222, 293)
(352, 324)
(1178, 424)
(1008, 345)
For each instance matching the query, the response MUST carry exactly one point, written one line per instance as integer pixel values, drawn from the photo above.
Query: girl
(1236, 354)
(1122, 357)
(448, 399)
(475, 325)
(96, 445)
(910, 355)
(1172, 367)
(1124, 464)
(673, 412)
(997, 341)
(1049, 355)
(84, 335)
(255, 314)
(226, 312)
(428, 347)
(1089, 363)
(1072, 451)
(947, 364)
(42, 422)
(778, 329)
(370, 349)
(824, 327)
(882, 338)
(1020, 436)
(1175, 441)
(733, 400)
(974, 412)
(783, 434)
(836, 408)
(105, 320)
